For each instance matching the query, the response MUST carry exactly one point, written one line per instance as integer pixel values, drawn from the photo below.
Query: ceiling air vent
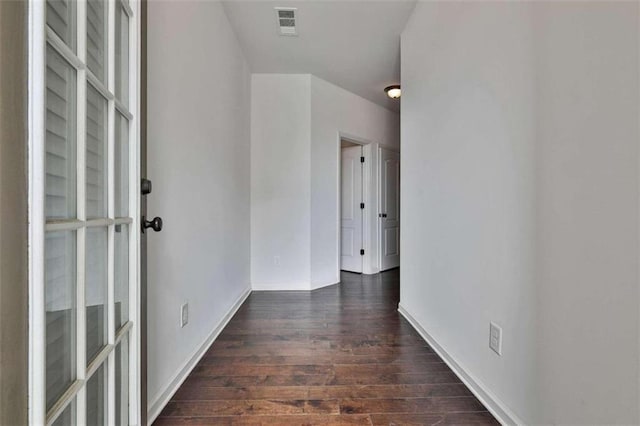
(286, 21)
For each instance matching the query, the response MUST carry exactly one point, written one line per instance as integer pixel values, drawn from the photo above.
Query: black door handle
(155, 224)
(382, 215)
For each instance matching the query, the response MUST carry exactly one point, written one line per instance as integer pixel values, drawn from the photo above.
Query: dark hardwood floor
(341, 355)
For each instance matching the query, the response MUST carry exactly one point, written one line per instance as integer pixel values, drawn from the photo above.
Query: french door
(84, 210)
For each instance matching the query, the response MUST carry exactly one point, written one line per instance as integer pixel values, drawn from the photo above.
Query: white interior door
(389, 209)
(351, 214)
(83, 201)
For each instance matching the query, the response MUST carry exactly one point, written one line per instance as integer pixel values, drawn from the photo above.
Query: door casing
(369, 194)
(143, 212)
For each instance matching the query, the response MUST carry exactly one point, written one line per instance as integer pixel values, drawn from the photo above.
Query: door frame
(368, 262)
(37, 45)
(143, 416)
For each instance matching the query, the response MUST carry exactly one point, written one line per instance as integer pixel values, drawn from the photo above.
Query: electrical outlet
(276, 260)
(184, 315)
(495, 338)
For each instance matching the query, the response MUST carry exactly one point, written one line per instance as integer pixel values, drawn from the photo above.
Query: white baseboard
(282, 286)
(500, 411)
(180, 376)
(293, 286)
(323, 285)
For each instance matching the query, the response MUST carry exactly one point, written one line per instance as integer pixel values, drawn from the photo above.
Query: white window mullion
(127, 8)
(81, 252)
(111, 300)
(66, 399)
(111, 396)
(111, 196)
(81, 401)
(111, 45)
(98, 85)
(64, 225)
(111, 381)
(37, 310)
(99, 223)
(56, 42)
(124, 110)
(123, 221)
(135, 410)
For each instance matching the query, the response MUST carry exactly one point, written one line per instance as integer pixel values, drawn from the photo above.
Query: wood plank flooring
(341, 355)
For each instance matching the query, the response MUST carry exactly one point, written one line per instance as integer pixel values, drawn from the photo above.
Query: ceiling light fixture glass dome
(394, 91)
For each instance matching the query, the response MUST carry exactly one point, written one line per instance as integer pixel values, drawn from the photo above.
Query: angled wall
(280, 181)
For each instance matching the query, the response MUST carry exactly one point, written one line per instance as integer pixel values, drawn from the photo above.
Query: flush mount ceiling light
(393, 92)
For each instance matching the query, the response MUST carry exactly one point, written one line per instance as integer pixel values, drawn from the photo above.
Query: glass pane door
(89, 293)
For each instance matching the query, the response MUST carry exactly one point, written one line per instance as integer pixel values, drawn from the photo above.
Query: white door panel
(391, 242)
(351, 213)
(347, 247)
(389, 209)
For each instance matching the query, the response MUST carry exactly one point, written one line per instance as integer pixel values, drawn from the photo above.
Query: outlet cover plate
(495, 338)
(184, 315)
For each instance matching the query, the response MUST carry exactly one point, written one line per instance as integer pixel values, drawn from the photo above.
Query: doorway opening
(369, 206)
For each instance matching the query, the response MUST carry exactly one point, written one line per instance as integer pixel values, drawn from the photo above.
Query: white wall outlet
(495, 338)
(276, 260)
(184, 315)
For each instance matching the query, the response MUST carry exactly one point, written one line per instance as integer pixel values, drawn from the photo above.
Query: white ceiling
(352, 44)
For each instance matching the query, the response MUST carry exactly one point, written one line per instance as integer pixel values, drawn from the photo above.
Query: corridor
(338, 355)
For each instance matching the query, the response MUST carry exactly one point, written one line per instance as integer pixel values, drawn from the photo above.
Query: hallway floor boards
(341, 355)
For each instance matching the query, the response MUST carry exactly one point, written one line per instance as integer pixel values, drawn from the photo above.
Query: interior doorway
(369, 206)
(351, 207)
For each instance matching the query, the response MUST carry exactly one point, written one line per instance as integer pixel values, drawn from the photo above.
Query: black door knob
(155, 224)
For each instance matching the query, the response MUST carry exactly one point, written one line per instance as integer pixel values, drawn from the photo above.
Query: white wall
(520, 200)
(467, 187)
(198, 157)
(280, 181)
(295, 147)
(587, 212)
(336, 111)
